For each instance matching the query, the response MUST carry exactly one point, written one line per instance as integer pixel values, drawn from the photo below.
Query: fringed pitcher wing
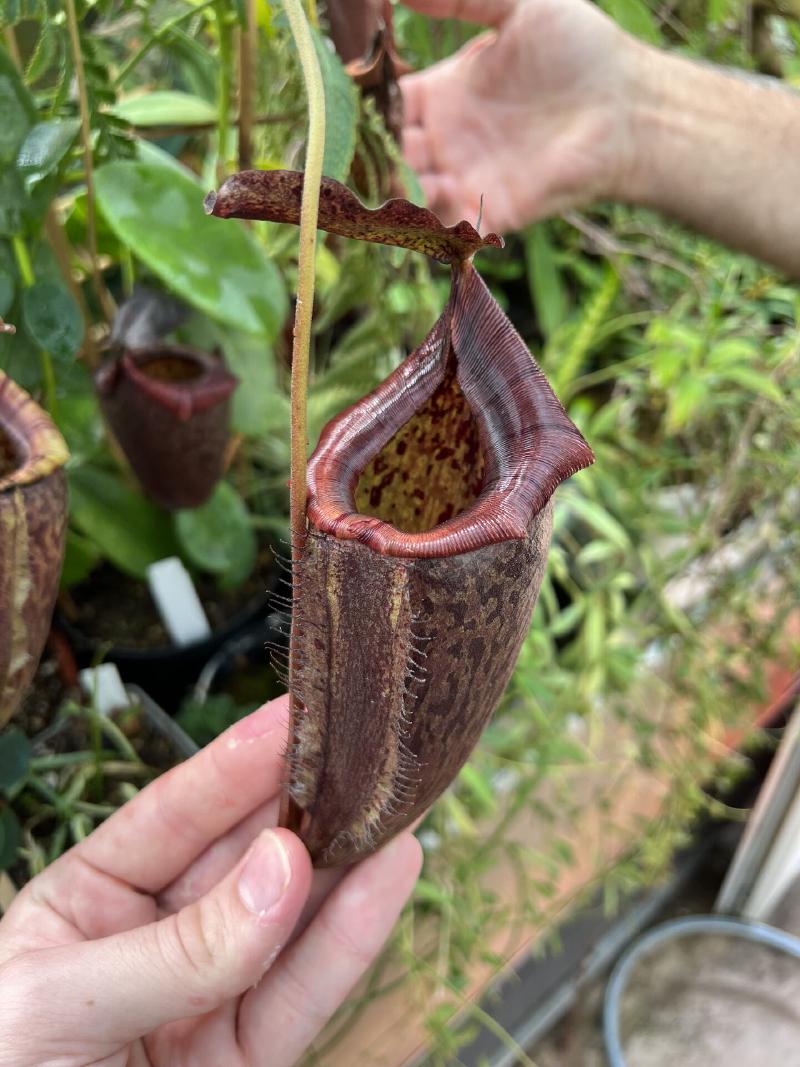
(429, 520)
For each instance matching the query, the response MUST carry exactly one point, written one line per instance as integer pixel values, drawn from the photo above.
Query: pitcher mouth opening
(11, 455)
(460, 448)
(432, 470)
(30, 445)
(171, 367)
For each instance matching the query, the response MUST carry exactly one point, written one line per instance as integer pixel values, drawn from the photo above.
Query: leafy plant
(53, 794)
(672, 577)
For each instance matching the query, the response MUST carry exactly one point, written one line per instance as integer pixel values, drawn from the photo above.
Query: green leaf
(166, 107)
(53, 319)
(17, 113)
(566, 620)
(10, 838)
(218, 536)
(13, 202)
(636, 17)
(686, 398)
(78, 414)
(44, 56)
(250, 359)
(544, 280)
(341, 111)
(216, 266)
(480, 789)
(130, 531)
(732, 350)
(81, 556)
(594, 631)
(596, 552)
(430, 893)
(599, 519)
(15, 755)
(666, 366)
(754, 382)
(8, 278)
(719, 11)
(44, 147)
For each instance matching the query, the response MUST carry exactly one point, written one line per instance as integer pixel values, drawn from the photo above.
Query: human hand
(535, 114)
(165, 937)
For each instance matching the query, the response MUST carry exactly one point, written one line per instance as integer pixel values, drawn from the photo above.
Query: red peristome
(197, 381)
(529, 443)
(275, 195)
(37, 447)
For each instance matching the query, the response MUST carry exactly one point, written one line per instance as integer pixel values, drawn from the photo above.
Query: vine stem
(248, 46)
(86, 138)
(309, 211)
(225, 33)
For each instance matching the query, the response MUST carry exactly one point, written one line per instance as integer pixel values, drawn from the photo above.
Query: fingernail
(265, 876)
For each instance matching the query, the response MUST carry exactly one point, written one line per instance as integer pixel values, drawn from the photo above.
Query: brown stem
(103, 296)
(61, 251)
(248, 40)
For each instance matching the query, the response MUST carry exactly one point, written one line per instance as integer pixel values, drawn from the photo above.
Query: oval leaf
(341, 111)
(17, 113)
(53, 319)
(158, 212)
(218, 536)
(166, 108)
(44, 147)
(129, 530)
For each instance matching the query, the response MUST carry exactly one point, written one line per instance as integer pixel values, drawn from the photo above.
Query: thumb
(119, 988)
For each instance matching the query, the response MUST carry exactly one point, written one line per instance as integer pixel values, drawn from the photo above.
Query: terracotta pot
(169, 408)
(33, 519)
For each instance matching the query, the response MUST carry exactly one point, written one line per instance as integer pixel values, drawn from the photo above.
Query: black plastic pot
(169, 673)
(240, 653)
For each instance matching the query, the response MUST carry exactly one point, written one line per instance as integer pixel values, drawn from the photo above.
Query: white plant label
(178, 604)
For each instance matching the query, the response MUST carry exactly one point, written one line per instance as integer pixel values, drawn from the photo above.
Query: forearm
(720, 153)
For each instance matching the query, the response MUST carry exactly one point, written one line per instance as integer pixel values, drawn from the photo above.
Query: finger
(413, 87)
(154, 837)
(120, 988)
(487, 12)
(313, 977)
(417, 149)
(214, 864)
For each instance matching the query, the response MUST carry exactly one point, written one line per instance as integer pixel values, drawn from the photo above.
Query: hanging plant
(429, 520)
(33, 518)
(169, 408)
